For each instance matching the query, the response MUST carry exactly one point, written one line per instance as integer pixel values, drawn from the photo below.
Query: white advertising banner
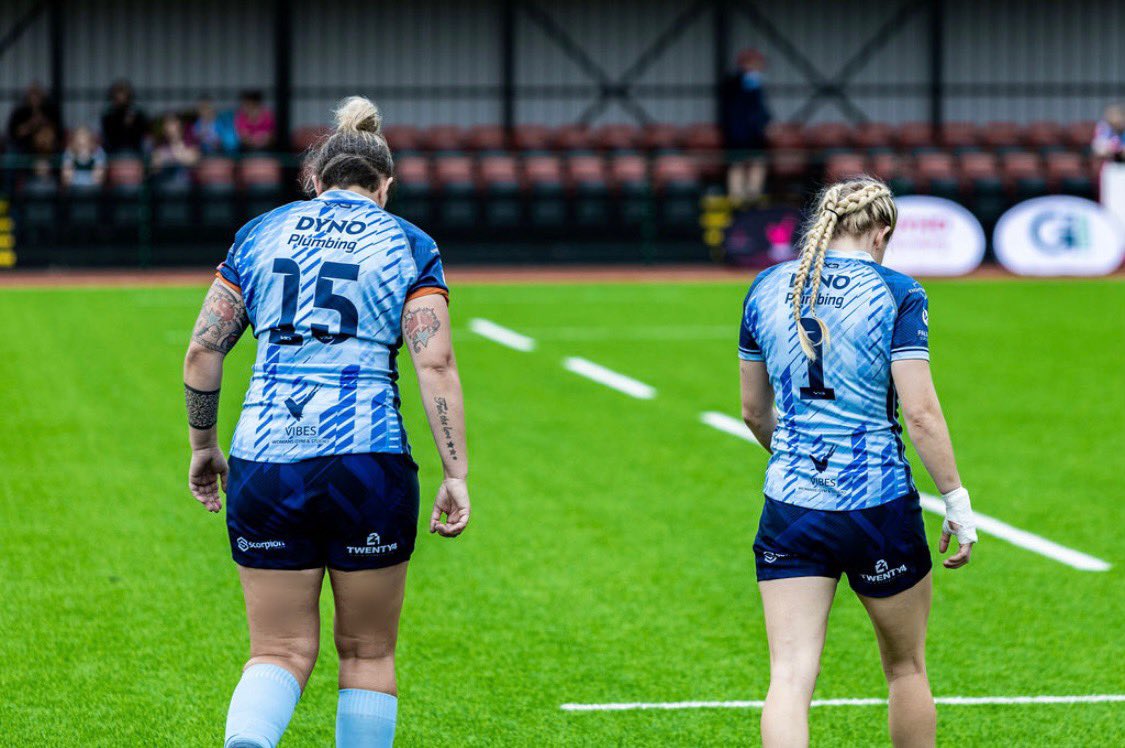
(1059, 235)
(934, 237)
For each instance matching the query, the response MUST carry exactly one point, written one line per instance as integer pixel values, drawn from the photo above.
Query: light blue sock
(365, 719)
(261, 706)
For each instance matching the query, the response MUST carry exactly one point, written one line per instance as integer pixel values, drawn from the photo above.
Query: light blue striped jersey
(838, 443)
(324, 282)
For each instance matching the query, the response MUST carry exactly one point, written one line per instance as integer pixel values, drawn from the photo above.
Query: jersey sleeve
(427, 258)
(228, 271)
(911, 337)
(748, 347)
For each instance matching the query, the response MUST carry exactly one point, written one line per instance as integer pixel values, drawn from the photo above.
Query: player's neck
(857, 245)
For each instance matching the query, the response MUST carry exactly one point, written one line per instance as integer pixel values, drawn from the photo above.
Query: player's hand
(452, 501)
(208, 470)
(959, 521)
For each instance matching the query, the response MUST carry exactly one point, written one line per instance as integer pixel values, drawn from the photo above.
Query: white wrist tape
(960, 511)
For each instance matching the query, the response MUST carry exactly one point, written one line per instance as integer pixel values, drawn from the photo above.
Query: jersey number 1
(816, 389)
(284, 332)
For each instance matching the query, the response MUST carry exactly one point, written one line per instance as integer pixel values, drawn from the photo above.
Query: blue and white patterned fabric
(838, 444)
(324, 282)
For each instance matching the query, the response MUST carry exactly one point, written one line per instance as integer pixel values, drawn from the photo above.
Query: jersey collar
(344, 196)
(850, 254)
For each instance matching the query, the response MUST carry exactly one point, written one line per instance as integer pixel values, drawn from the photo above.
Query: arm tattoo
(222, 320)
(420, 325)
(202, 407)
(443, 417)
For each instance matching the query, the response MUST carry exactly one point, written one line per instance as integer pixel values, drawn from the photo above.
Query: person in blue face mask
(745, 115)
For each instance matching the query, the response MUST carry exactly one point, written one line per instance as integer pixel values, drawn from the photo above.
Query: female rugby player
(320, 473)
(834, 341)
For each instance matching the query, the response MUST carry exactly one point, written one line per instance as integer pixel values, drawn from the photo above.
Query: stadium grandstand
(539, 132)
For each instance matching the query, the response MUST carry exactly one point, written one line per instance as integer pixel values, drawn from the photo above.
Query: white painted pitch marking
(1025, 539)
(501, 335)
(728, 425)
(991, 525)
(948, 700)
(609, 378)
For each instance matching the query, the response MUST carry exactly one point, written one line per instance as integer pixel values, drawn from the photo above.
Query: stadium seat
(532, 138)
(937, 174)
(546, 193)
(589, 184)
(125, 176)
(788, 170)
(444, 139)
(660, 138)
(1067, 172)
(486, 139)
(572, 138)
(785, 135)
(1023, 174)
(915, 137)
(703, 141)
(960, 136)
(873, 136)
(1044, 136)
(500, 187)
(410, 195)
(1001, 136)
(260, 179)
(215, 179)
(1078, 135)
(403, 138)
(894, 170)
(616, 138)
(37, 206)
(844, 165)
(629, 179)
(304, 138)
(828, 137)
(453, 177)
(678, 186)
(982, 186)
(171, 204)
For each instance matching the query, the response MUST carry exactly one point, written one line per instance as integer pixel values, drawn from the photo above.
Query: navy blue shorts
(346, 512)
(882, 549)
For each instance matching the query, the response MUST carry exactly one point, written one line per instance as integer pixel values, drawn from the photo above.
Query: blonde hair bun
(358, 114)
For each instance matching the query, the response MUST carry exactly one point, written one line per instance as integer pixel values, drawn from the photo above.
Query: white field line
(609, 378)
(1025, 539)
(501, 335)
(991, 525)
(948, 700)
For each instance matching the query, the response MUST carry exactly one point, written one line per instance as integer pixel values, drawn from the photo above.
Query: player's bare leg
(368, 604)
(282, 608)
(900, 626)
(796, 612)
(284, 617)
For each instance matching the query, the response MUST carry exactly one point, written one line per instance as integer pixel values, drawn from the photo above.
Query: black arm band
(202, 407)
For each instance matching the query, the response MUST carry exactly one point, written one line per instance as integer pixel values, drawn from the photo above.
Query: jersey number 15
(284, 332)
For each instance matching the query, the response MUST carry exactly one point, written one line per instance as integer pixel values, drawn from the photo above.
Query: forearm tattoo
(202, 407)
(222, 320)
(420, 325)
(442, 408)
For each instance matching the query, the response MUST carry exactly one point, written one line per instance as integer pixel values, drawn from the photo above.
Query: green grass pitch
(609, 558)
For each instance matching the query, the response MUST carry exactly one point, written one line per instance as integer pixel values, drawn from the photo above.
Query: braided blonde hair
(851, 208)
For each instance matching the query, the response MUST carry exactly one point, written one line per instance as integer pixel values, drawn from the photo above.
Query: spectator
(213, 131)
(124, 125)
(34, 125)
(254, 122)
(744, 117)
(1109, 134)
(83, 162)
(173, 157)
